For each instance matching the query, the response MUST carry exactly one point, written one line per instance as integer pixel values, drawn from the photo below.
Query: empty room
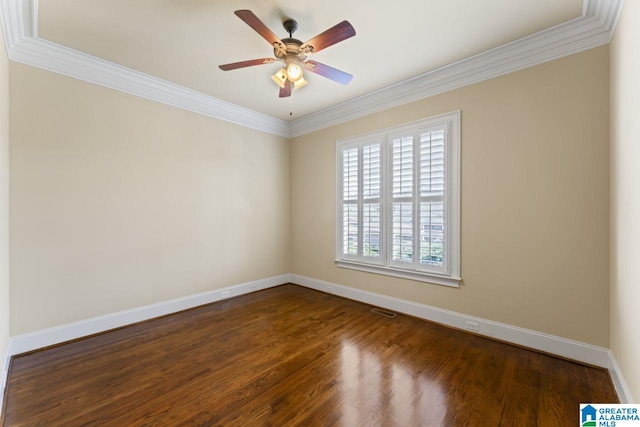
(410, 213)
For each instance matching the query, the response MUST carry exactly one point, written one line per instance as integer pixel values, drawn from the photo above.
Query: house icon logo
(587, 415)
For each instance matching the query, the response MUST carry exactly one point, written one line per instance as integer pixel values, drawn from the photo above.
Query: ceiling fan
(293, 53)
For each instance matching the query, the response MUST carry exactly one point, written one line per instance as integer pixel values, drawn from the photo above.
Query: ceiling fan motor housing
(292, 47)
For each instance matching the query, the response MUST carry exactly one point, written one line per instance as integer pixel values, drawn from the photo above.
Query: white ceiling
(184, 41)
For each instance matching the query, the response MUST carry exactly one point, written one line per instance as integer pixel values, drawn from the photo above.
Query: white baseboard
(563, 347)
(6, 358)
(59, 334)
(582, 352)
(624, 394)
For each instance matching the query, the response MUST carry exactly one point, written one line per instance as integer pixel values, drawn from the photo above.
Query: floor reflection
(374, 388)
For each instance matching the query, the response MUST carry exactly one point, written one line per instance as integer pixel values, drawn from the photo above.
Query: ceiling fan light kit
(294, 71)
(280, 77)
(293, 53)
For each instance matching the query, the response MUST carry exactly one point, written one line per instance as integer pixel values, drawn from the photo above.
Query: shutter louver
(350, 194)
(350, 174)
(403, 232)
(432, 233)
(402, 209)
(432, 187)
(371, 230)
(432, 164)
(403, 167)
(371, 173)
(371, 189)
(350, 229)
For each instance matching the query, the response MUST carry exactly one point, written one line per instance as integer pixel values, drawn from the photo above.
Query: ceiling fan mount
(290, 26)
(293, 53)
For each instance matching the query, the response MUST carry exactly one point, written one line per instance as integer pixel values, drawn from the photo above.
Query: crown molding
(23, 46)
(594, 28)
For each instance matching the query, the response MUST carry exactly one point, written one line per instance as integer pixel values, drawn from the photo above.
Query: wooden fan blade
(286, 90)
(249, 63)
(328, 72)
(254, 22)
(333, 35)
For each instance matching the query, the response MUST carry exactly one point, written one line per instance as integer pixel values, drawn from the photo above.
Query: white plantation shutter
(402, 198)
(372, 171)
(418, 208)
(402, 228)
(398, 210)
(350, 171)
(371, 193)
(350, 232)
(402, 166)
(361, 201)
(350, 165)
(432, 234)
(432, 202)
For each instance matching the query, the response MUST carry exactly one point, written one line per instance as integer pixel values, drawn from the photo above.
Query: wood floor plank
(294, 356)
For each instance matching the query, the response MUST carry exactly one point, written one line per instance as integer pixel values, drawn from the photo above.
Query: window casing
(398, 201)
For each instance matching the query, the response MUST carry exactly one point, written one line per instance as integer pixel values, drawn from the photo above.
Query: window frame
(449, 273)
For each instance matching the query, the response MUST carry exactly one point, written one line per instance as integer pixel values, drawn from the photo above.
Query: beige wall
(4, 201)
(625, 195)
(118, 202)
(535, 204)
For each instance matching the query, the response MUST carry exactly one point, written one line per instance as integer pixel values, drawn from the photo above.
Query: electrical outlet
(225, 294)
(471, 326)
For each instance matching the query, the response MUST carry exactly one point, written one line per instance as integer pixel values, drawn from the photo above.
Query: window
(399, 201)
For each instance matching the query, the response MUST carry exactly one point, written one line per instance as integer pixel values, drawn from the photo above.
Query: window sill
(421, 276)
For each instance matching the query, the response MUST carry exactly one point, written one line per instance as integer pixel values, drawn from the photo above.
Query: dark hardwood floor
(294, 356)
